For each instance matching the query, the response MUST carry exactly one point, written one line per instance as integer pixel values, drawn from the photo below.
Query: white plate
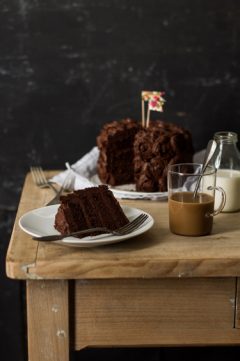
(129, 191)
(40, 222)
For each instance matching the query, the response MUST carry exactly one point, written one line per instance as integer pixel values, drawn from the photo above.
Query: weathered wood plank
(155, 312)
(47, 320)
(237, 305)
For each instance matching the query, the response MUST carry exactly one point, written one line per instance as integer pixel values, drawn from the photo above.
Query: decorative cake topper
(155, 102)
(146, 95)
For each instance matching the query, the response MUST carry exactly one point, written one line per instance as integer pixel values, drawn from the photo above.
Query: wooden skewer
(143, 114)
(148, 117)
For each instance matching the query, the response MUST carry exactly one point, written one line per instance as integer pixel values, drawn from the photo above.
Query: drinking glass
(192, 214)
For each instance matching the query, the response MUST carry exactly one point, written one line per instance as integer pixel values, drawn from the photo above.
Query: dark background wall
(69, 66)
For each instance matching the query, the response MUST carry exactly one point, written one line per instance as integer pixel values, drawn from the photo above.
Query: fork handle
(56, 237)
(53, 188)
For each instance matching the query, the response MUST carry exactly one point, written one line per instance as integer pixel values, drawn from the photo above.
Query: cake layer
(115, 143)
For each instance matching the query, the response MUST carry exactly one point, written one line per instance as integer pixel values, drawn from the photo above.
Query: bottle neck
(228, 155)
(226, 137)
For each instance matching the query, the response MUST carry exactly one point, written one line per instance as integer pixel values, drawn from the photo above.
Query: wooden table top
(154, 254)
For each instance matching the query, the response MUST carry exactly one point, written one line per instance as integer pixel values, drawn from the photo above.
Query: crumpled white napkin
(81, 171)
(85, 168)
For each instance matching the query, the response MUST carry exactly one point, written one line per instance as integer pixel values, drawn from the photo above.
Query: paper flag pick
(156, 103)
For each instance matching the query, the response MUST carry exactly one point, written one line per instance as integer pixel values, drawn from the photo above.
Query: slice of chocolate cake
(89, 208)
(115, 143)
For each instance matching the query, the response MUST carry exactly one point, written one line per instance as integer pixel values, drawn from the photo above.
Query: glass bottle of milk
(227, 162)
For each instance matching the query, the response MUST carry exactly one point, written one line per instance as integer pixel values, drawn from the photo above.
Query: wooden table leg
(48, 320)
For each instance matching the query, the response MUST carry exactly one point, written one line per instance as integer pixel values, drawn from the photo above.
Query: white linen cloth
(81, 171)
(85, 168)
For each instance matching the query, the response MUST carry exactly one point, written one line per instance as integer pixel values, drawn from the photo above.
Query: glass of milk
(227, 162)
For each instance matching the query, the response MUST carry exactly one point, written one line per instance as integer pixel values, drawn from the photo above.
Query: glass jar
(227, 162)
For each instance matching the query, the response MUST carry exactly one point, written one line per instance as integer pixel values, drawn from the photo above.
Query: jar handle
(223, 201)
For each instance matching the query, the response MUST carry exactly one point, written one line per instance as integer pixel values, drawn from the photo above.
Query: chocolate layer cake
(88, 208)
(132, 154)
(115, 142)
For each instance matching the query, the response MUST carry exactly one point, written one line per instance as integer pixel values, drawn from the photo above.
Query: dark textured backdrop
(68, 66)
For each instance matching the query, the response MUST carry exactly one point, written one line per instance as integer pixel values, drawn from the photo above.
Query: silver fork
(128, 228)
(66, 185)
(40, 179)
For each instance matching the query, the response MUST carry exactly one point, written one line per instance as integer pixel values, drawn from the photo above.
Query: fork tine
(134, 221)
(136, 225)
(40, 179)
(38, 176)
(33, 174)
(41, 175)
(131, 226)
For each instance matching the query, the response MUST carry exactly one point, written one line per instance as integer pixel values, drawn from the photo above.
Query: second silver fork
(40, 179)
(66, 185)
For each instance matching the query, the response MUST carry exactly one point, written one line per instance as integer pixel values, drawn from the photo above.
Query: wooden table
(157, 289)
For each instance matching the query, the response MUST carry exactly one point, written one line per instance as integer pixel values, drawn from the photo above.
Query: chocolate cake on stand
(134, 152)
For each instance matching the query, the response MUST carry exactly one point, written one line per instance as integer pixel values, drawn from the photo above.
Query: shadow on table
(160, 354)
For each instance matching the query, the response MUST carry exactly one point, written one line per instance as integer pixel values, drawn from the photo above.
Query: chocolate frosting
(155, 148)
(130, 153)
